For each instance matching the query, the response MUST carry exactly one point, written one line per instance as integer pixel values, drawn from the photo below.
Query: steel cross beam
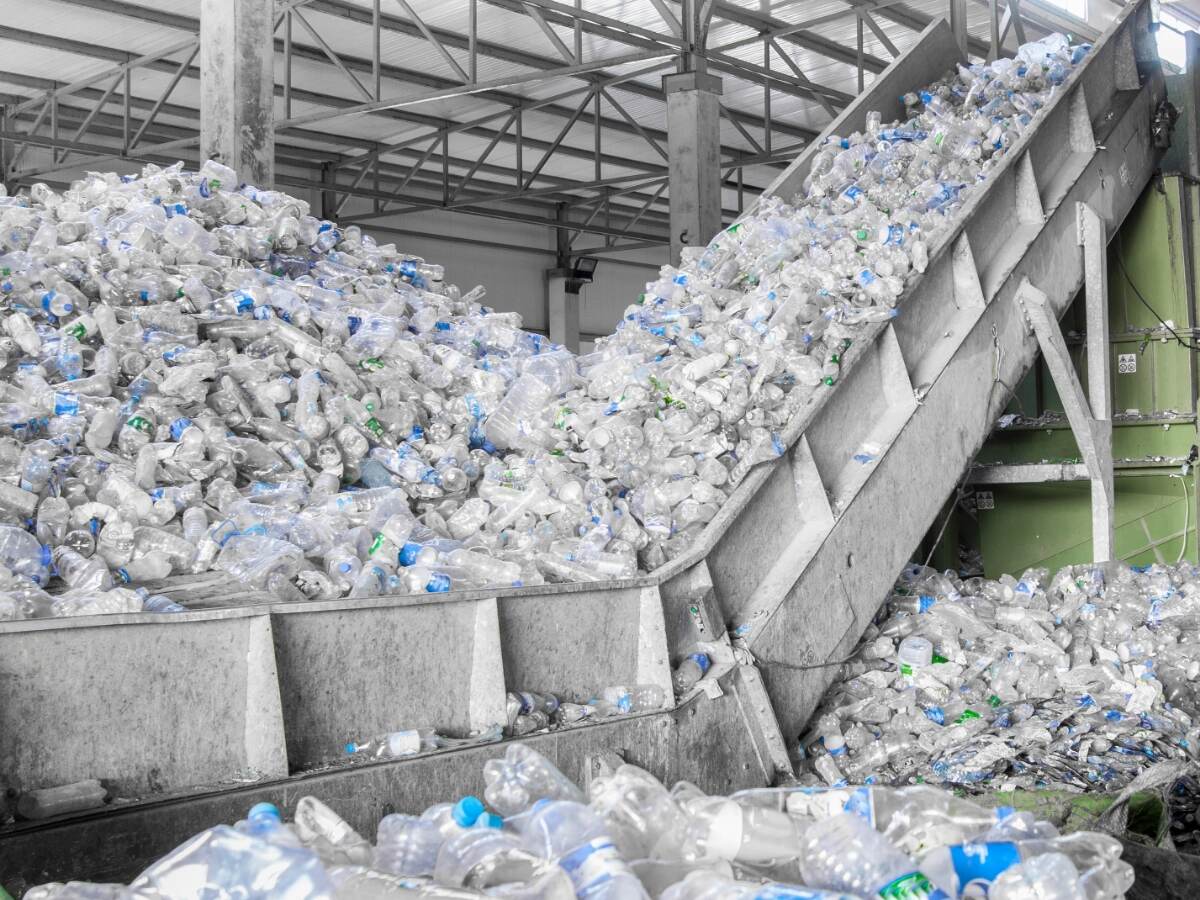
(153, 154)
(560, 189)
(299, 95)
(406, 115)
(910, 18)
(316, 156)
(808, 40)
(389, 23)
(111, 125)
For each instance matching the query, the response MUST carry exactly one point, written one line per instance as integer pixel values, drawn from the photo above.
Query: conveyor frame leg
(1089, 415)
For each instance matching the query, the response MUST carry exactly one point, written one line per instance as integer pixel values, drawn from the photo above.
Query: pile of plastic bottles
(1081, 681)
(630, 838)
(201, 375)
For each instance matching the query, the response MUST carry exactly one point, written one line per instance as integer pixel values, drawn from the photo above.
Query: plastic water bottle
(1049, 877)
(627, 699)
(643, 818)
(485, 857)
(396, 744)
(264, 821)
(577, 839)
(523, 777)
(22, 554)
(329, 835)
(956, 866)
(844, 853)
(157, 603)
(689, 672)
(726, 829)
(57, 801)
(407, 845)
(705, 884)
(80, 573)
(232, 863)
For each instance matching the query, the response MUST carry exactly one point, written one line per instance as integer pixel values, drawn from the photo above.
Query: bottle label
(140, 424)
(789, 892)
(701, 659)
(65, 403)
(913, 886)
(591, 863)
(404, 743)
(861, 802)
(179, 426)
(980, 864)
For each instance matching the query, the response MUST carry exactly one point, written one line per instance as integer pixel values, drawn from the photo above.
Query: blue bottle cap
(467, 811)
(259, 810)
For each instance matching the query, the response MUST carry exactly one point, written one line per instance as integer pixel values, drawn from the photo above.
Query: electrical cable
(1175, 334)
(787, 665)
(1186, 518)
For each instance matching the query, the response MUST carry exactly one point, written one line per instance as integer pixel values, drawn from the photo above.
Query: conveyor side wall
(794, 565)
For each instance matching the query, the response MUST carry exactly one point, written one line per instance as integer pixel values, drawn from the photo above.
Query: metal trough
(184, 710)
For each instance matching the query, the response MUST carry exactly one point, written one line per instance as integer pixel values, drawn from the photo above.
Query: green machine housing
(1154, 346)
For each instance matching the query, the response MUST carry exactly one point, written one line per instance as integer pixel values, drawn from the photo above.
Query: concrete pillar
(328, 196)
(694, 164)
(237, 86)
(1190, 114)
(562, 306)
(958, 24)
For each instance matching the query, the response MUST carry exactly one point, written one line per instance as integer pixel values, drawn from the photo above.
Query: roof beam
(553, 190)
(304, 96)
(362, 15)
(912, 19)
(807, 40)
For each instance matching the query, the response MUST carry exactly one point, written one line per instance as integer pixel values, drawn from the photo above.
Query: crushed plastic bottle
(245, 387)
(631, 838)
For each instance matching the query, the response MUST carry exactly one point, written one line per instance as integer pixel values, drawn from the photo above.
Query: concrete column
(563, 308)
(237, 85)
(1191, 111)
(958, 24)
(328, 196)
(694, 166)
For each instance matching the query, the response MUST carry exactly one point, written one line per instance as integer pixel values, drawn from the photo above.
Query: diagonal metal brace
(1093, 433)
